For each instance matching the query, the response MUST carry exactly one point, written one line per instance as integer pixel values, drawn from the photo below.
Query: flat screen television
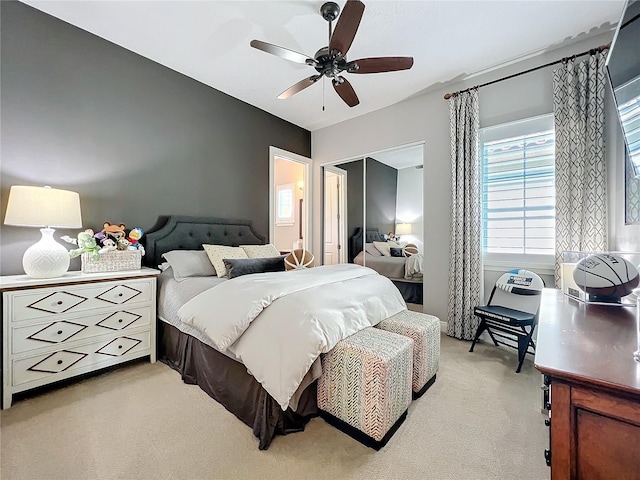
(623, 66)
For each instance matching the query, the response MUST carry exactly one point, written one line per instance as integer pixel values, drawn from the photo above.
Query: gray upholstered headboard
(178, 232)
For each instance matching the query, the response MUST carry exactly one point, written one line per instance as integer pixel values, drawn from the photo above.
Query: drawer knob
(119, 320)
(59, 362)
(59, 302)
(120, 294)
(119, 346)
(59, 332)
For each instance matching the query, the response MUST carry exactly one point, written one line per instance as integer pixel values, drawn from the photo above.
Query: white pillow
(385, 247)
(189, 263)
(217, 253)
(261, 251)
(371, 250)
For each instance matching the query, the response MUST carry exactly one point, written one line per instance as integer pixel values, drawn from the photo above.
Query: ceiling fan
(331, 61)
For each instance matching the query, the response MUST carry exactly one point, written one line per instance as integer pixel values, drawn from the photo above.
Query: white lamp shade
(43, 207)
(403, 229)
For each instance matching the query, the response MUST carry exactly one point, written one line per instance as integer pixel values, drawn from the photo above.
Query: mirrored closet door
(343, 204)
(373, 205)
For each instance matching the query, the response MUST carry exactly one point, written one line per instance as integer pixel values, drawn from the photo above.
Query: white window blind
(518, 191)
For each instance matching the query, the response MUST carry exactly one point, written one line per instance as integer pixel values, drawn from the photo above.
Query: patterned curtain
(581, 183)
(465, 261)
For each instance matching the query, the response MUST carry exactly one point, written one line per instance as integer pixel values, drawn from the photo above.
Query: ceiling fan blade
(282, 52)
(347, 26)
(382, 64)
(298, 87)
(346, 91)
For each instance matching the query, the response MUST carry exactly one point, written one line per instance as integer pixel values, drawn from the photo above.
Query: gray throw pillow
(189, 263)
(237, 267)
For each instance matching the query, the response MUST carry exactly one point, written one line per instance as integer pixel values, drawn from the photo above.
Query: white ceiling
(209, 41)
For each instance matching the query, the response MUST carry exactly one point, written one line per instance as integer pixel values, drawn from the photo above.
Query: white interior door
(331, 219)
(335, 219)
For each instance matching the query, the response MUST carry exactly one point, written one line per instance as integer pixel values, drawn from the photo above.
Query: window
(284, 204)
(518, 192)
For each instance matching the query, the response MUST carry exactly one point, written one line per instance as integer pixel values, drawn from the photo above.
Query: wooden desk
(586, 353)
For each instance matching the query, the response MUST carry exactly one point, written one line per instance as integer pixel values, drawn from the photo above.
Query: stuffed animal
(99, 236)
(115, 231)
(123, 244)
(108, 244)
(134, 238)
(86, 244)
(390, 237)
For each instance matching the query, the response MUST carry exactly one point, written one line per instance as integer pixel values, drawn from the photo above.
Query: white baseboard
(443, 326)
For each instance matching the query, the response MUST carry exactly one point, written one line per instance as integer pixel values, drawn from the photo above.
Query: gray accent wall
(382, 188)
(355, 200)
(381, 194)
(134, 138)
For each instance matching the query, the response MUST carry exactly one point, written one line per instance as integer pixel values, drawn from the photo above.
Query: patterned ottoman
(424, 330)
(365, 386)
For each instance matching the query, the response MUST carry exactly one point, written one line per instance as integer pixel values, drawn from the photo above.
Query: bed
(224, 379)
(196, 358)
(394, 268)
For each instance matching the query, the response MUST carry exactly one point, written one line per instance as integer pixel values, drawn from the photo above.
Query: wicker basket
(112, 261)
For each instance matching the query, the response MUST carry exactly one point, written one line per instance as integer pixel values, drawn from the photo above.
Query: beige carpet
(480, 420)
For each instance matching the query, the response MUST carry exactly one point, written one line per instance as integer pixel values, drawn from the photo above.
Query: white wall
(409, 204)
(425, 118)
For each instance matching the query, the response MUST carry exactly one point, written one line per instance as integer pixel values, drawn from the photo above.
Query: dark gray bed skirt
(410, 291)
(228, 382)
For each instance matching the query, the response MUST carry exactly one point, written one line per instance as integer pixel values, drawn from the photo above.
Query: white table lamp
(44, 207)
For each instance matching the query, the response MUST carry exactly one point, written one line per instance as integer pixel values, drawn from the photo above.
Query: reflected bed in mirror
(404, 271)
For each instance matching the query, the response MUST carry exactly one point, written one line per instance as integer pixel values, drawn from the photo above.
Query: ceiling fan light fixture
(331, 61)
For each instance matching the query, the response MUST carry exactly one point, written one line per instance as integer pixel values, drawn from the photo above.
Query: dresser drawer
(65, 300)
(30, 336)
(68, 362)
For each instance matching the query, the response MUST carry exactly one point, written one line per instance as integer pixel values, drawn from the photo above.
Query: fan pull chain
(323, 93)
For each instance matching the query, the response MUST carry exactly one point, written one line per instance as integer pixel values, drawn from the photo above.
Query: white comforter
(278, 323)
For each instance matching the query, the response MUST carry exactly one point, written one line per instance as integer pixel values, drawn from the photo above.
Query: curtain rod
(601, 48)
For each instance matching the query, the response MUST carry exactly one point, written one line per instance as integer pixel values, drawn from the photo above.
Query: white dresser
(57, 328)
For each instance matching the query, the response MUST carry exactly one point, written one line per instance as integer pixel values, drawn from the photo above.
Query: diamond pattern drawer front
(68, 362)
(63, 301)
(57, 302)
(119, 320)
(27, 337)
(119, 346)
(57, 332)
(57, 362)
(119, 294)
